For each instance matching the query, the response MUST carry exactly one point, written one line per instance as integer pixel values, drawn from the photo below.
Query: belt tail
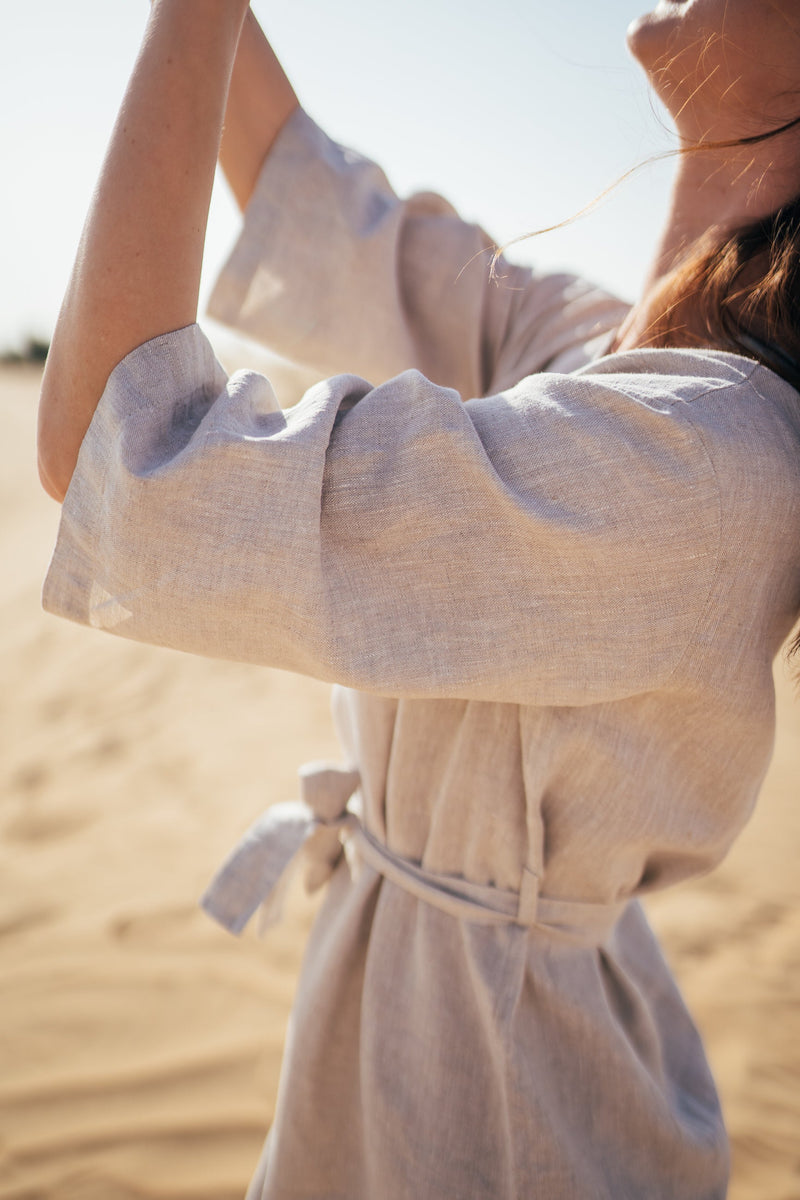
(257, 871)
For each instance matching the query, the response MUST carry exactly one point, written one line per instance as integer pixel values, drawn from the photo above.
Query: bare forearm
(260, 100)
(137, 271)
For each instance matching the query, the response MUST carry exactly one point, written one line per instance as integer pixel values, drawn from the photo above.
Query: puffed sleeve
(553, 544)
(334, 271)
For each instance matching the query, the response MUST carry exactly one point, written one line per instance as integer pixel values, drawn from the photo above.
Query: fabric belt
(322, 825)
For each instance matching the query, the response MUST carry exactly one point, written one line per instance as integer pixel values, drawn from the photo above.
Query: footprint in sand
(38, 825)
(156, 925)
(24, 918)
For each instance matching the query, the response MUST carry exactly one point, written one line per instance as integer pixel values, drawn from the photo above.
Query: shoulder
(747, 417)
(733, 404)
(674, 377)
(743, 424)
(699, 433)
(625, 414)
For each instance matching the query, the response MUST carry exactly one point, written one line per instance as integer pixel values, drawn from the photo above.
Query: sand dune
(140, 1045)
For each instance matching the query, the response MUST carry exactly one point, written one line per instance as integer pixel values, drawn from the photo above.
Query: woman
(559, 601)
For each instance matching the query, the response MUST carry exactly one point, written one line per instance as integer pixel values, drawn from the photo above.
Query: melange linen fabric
(553, 586)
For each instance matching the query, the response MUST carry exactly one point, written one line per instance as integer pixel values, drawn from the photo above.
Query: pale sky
(518, 112)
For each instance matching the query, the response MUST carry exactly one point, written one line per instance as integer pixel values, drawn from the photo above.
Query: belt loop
(528, 897)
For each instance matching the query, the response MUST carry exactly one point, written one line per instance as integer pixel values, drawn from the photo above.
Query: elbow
(56, 456)
(53, 483)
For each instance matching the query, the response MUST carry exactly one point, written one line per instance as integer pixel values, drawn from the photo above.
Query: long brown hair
(739, 291)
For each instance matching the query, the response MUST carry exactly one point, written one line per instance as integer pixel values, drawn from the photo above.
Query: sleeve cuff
(263, 238)
(166, 383)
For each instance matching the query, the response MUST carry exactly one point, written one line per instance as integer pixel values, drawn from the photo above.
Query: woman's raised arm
(137, 271)
(260, 101)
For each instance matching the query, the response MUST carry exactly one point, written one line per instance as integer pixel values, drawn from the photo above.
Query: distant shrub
(33, 350)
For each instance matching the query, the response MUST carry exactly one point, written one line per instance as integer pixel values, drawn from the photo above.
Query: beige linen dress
(554, 606)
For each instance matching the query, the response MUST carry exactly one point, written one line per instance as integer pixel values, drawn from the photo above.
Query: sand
(139, 1045)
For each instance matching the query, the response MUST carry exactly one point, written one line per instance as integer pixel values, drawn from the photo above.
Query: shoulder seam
(718, 391)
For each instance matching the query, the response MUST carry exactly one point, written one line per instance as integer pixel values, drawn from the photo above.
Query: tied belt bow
(320, 826)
